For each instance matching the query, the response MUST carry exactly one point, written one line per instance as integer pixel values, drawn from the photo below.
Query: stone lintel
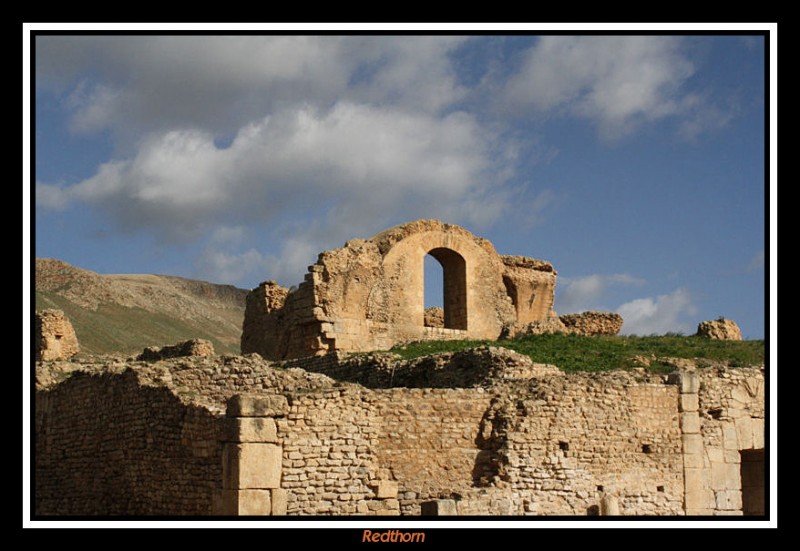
(249, 405)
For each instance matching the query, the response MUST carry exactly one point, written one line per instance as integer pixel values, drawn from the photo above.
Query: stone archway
(454, 292)
(370, 294)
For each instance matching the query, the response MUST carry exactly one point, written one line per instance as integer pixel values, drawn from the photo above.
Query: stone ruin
(192, 347)
(54, 337)
(479, 432)
(592, 323)
(719, 329)
(485, 431)
(369, 295)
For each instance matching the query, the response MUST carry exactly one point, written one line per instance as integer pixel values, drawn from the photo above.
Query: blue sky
(635, 164)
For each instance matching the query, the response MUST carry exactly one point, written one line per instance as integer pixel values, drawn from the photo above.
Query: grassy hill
(124, 313)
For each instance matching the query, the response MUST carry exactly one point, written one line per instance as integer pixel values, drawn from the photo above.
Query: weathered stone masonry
(54, 337)
(235, 435)
(369, 295)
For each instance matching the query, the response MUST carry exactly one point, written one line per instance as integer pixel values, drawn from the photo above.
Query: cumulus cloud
(617, 82)
(352, 162)
(583, 293)
(659, 315)
(51, 196)
(225, 267)
(220, 83)
(227, 259)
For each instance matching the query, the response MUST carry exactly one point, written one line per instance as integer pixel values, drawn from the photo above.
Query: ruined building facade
(54, 338)
(369, 295)
(480, 432)
(486, 431)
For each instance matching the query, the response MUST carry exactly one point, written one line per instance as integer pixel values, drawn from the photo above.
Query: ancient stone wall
(592, 323)
(54, 338)
(330, 439)
(237, 435)
(567, 442)
(531, 284)
(428, 440)
(108, 445)
(725, 450)
(369, 295)
(476, 367)
(192, 347)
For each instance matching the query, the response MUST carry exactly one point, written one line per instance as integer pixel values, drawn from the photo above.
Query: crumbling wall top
(527, 262)
(386, 239)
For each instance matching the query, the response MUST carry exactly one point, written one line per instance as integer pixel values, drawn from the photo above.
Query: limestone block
(729, 500)
(439, 508)
(701, 498)
(692, 443)
(688, 381)
(279, 501)
(730, 437)
(696, 479)
(609, 506)
(725, 476)
(251, 465)
(715, 455)
(688, 402)
(248, 405)
(246, 502)
(694, 461)
(251, 429)
(699, 512)
(385, 489)
(744, 432)
(728, 513)
(758, 434)
(690, 423)
(732, 456)
(388, 513)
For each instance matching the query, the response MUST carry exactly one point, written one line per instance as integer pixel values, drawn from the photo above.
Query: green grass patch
(602, 353)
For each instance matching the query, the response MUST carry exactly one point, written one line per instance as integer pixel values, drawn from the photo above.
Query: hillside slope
(124, 313)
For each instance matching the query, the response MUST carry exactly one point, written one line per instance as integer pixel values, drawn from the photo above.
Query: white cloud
(703, 116)
(220, 262)
(223, 267)
(227, 235)
(583, 293)
(618, 82)
(93, 105)
(659, 315)
(51, 196)
(220, 83)
(353, 161)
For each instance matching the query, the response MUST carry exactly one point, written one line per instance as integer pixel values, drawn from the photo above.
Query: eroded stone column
(252, 457)
(698, 497)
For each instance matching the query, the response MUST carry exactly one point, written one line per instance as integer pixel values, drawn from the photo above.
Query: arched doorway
(454, 287)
